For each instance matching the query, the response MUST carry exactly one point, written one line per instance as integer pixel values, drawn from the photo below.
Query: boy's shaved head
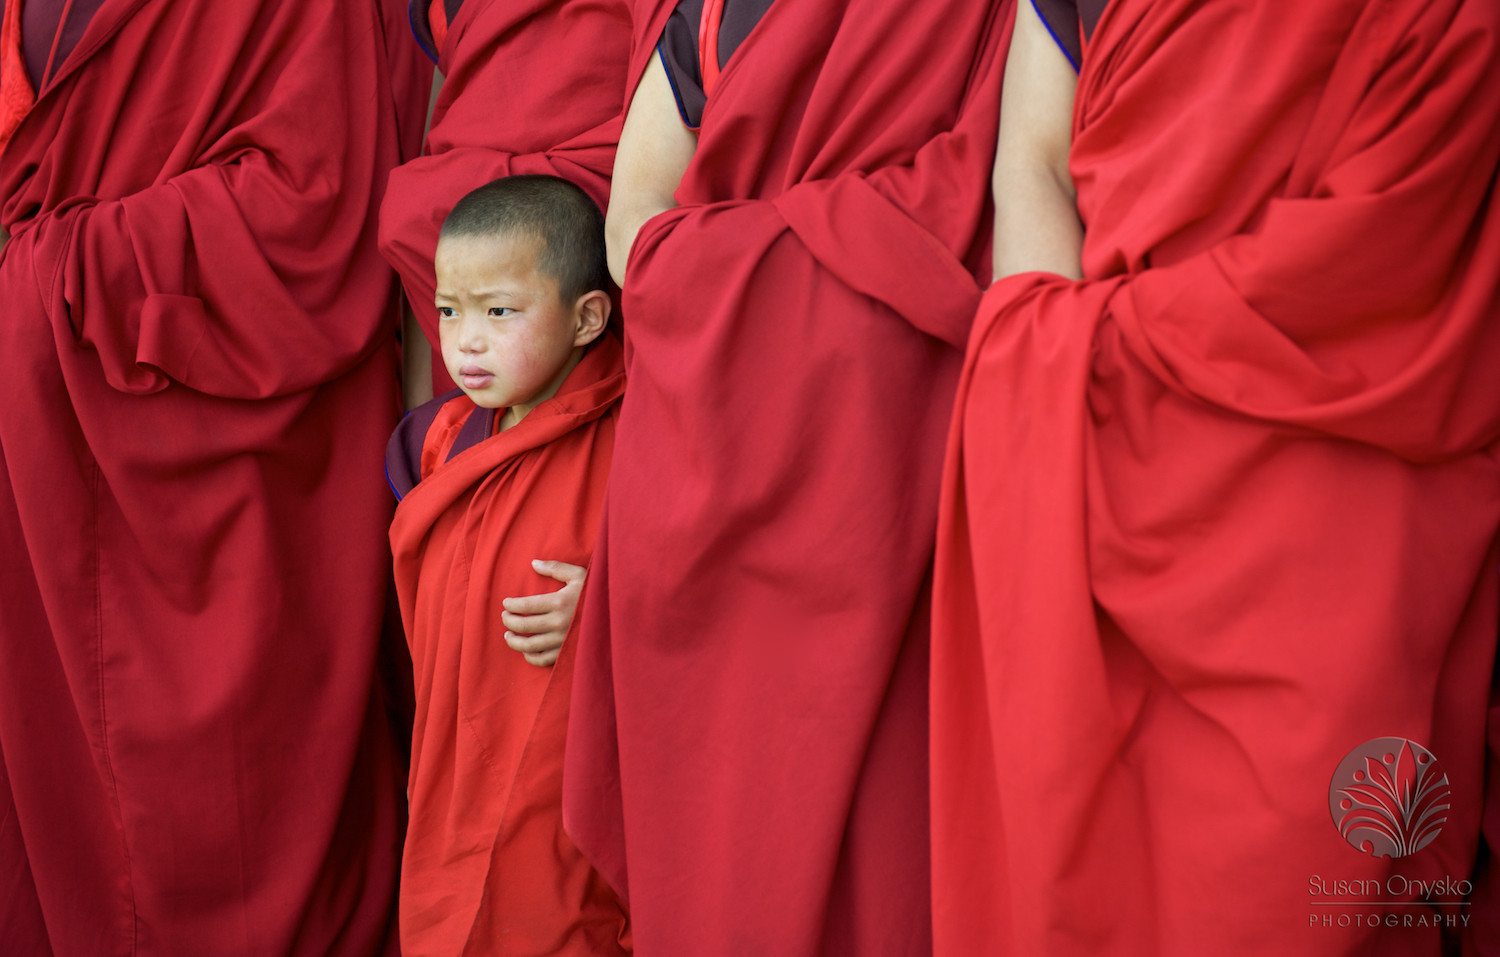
(561, 216)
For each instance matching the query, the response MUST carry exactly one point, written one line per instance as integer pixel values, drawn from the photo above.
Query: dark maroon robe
(41, 41)
(1071, 23)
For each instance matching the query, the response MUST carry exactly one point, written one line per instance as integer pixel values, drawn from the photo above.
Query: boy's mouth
(473, 377)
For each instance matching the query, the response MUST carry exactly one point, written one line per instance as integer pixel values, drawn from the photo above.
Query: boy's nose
(470, 335)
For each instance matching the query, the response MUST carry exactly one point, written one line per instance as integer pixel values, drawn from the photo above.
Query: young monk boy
(502, 68)
(492, 477)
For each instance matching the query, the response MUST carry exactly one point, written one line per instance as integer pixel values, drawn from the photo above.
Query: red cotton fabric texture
(488, 869)
(1226, 509)
(529, 86)
(16, 94)
(197, 377)
(748, 750)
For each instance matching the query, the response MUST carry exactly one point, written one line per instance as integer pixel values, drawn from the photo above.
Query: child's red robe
(1226, 509)
(487, 868)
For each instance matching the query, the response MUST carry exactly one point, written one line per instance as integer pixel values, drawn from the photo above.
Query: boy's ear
(590, 313)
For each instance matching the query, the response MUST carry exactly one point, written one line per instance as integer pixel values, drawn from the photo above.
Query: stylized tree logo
(1389, 797)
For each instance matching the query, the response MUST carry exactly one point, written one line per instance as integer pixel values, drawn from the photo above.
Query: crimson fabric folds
(529, 86)
(487, 868)
(1226, 509)
(198, 380)
(748, 749)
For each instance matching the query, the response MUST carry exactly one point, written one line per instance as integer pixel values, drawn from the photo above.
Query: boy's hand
(538, 623)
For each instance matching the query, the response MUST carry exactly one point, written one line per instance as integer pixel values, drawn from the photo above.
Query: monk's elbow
(619, 236)
(622, 224)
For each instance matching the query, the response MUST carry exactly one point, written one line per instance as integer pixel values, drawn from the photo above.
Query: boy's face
(507, 337)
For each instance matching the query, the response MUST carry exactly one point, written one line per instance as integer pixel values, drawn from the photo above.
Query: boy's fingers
(537, 645)
(533, 604)
(562, 571)
(533, 624)
(524, 643)
(543, 660)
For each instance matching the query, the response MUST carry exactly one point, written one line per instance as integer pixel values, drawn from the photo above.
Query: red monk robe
(411, 77)
(1226, 509)
(748, 749)
(488, 869)
(529, 86)
(196, 381)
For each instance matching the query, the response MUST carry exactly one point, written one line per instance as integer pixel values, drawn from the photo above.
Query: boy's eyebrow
(485, 292)
(497, 291)
(493, 290)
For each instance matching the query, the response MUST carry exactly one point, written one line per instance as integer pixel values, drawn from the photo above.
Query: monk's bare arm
(416, 351)
(655, 149)
(1036, 216)
(416, 360)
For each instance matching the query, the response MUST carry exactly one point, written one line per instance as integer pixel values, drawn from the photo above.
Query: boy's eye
(501, 310)
(445, 312)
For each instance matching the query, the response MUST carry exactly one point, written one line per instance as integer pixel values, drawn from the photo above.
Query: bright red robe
(748, 750)
(197, 376)
(487, 868)
(1226, 509)
(529, 86)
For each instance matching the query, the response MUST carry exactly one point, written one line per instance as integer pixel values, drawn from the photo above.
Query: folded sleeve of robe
(229, 273)
(793, 332)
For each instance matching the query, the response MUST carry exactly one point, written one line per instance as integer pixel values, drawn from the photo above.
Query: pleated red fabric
(748, 750)
(1225, 510)
(530, 86)
(198, 380)
(487, 868)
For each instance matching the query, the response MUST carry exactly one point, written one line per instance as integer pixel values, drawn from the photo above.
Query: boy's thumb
(560, 571)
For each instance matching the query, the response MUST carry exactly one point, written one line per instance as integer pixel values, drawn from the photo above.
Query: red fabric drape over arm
(1226, 509)
(749, 729)
(141, 276)
(198, 378)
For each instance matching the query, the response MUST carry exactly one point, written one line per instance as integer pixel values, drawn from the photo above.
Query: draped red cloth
(487, 868)
(529, 86)
(411, 77)
(197, 377)
(748, 752)
(16, 93)
(1226, 509)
